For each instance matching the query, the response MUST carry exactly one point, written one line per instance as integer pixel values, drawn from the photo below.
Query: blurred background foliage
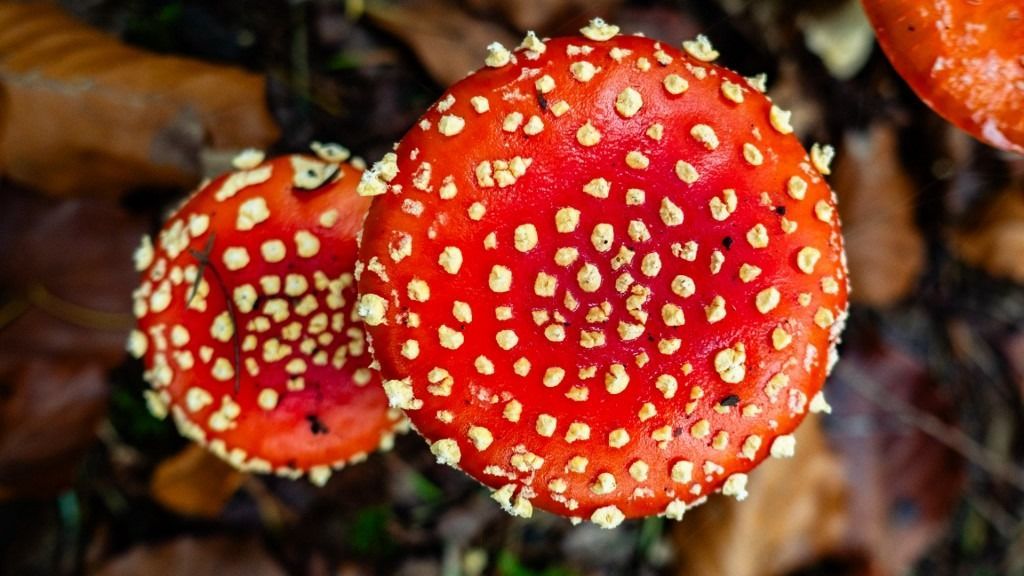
(110, 110)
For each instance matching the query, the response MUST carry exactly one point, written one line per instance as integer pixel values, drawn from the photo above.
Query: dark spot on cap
(315, 425)
(730, 400)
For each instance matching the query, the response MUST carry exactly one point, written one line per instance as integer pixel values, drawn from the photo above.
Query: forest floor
(917, 470)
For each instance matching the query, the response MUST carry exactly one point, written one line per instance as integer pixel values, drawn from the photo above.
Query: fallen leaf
(448, 42)
(65, 284)
(195, 483)
(1015, 354)
(49, 412)
(216, 556)
(876, 201)
(544, 16)
(86, 114)
(996, 241)
(67, 276)
(796, 514)
(904, 482)
(657, 21)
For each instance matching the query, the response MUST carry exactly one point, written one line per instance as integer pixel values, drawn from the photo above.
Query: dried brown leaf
(216, 556)
(796, 513)
(1015, 354)
(67, 276)
(49, 412)
(544, 15)
(996, 241)
(87, 114)
(448, 42)
(876, 201)
(194, 482)
(904, 482)
(667, 22)
(65, 283)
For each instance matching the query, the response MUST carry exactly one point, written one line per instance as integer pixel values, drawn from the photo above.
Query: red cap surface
(602, 277)
(964, 59)
(246, 321)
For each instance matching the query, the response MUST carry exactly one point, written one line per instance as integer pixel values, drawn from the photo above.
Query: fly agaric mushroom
(964, 59)
(602, 277)
(246, 319)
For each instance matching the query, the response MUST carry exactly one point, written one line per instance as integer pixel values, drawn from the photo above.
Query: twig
(11, 310)
(40, 297)
(950, 436)
(1005, 523)
(203, 257)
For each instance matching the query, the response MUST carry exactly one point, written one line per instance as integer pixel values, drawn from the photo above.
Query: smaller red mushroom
(246, 321)
(964, 59)
(602, 276)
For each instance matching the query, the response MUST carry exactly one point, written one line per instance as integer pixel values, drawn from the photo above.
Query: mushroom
(603, 278)
(246, 319)
(964, 59)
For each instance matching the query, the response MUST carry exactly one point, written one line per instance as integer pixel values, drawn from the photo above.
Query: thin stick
(950, 436)
(203, 257)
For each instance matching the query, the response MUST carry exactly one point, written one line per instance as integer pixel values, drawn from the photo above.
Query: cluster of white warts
(300, 319)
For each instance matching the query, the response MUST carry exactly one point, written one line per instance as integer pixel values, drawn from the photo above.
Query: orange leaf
(876, 200)
(85, 113)
(997, 242)
(195, 483)
(449, 42)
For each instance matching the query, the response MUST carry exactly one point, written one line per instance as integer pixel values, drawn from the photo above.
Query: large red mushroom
(246, 318)
(602, 277)
(964, 58)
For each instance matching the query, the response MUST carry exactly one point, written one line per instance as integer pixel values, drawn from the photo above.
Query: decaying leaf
(656, 21)
(449, 42)
(216, 556)
(49, 412)
(65, 286)
(85, 113)
(1015, 355)
(904, 483)
(796, 514)
(876, 200)
(996, 242)
(195, 483)
(541, 15)
(67, 276)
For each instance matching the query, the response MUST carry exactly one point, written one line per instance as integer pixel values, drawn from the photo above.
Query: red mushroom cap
(964, 59)
(246, 321)
(602, 277)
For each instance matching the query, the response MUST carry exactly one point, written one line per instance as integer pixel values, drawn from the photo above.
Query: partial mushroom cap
(246, 318)
(964, 59)
(603, 278)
